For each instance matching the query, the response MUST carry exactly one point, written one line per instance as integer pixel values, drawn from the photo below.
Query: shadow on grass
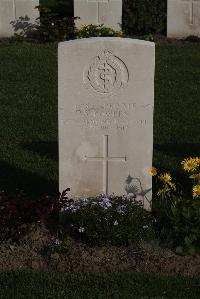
(43, 148)
(179, 150)
(12, 178)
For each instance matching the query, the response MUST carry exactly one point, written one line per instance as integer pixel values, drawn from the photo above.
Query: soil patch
(32, 253)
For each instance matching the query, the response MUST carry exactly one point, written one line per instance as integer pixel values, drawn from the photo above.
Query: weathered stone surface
(11, 10)
(96, 12)
(106, 97)
(183, 18)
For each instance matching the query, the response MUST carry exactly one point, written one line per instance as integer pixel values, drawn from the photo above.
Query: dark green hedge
(139, 16)
(144, 16)
(63, 7)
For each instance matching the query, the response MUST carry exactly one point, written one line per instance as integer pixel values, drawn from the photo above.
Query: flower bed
(105, 233)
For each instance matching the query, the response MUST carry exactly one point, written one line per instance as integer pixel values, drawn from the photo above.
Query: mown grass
(28, 112)
(177, 106)
(29, 157)
(18, 285)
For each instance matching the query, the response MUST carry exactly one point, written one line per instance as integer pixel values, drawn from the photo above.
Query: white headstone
(106, 97)
(11, 10)
(97, 12)
(183, 18)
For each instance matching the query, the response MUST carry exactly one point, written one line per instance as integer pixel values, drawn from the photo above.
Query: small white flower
(57, 242)
(116, 222)
(85, 201)
(81, 229)
(66, 208)
(145, 226)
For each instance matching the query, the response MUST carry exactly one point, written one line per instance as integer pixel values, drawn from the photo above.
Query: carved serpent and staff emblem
(106, 73)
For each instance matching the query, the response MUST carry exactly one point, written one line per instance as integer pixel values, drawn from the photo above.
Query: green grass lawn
(16, 285)
(28, 112)
(29, 157)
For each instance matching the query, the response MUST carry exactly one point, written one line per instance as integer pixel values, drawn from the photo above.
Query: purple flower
(105, 204)
(121, 209)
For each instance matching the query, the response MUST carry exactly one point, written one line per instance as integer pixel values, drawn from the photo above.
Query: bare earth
(31, 253)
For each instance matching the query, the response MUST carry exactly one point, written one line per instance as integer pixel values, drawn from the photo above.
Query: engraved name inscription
(110, 115)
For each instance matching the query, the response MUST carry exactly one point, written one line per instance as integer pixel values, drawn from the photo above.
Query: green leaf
(187, 241)
(193, 176)
(179, 250)
(192, 250)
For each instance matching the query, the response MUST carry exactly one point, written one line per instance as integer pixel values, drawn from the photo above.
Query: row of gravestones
(11, 10)
(183, 15)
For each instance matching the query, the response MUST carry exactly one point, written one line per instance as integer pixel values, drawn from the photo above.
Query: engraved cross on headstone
(99, 2)
(14, 9)
(105, 159)
(191, 4)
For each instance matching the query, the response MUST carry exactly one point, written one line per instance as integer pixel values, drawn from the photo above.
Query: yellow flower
(163, 191)
(160, 192)
(198, 160)
(196, 191)
(153, 171)
(172, 185)
(190, 164)
(166, 177)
